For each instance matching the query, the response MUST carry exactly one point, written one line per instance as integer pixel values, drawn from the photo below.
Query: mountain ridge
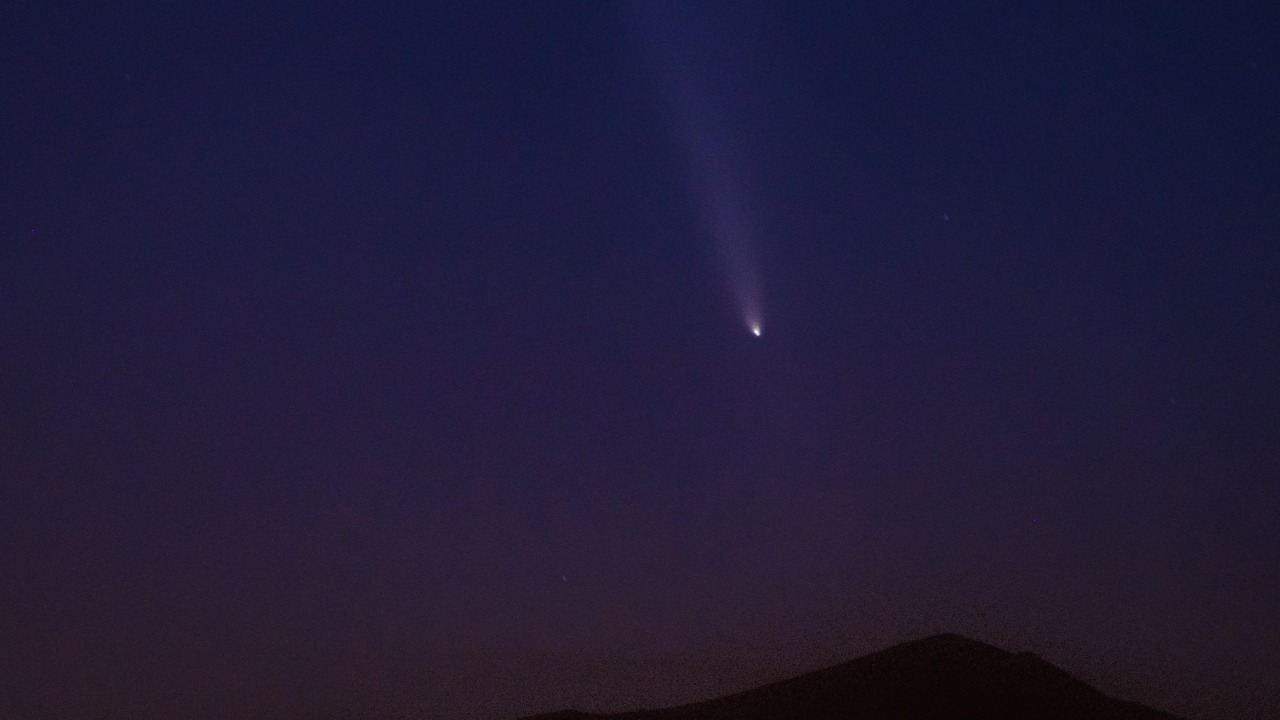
(941, 677)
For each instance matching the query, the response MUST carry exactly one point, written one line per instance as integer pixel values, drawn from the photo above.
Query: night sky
(395, 361)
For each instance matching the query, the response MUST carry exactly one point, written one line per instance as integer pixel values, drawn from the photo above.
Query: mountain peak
(949, 641)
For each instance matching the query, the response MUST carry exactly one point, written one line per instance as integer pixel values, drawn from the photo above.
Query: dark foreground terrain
(945, 677)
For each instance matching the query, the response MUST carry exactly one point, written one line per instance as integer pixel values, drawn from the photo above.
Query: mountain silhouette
(944, 677)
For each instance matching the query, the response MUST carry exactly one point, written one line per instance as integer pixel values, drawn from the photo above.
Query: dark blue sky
(375, 360)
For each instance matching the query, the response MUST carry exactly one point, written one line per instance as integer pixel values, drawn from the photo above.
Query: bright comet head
(755, 330)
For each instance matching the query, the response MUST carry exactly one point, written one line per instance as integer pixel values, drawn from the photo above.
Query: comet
(682, 51)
